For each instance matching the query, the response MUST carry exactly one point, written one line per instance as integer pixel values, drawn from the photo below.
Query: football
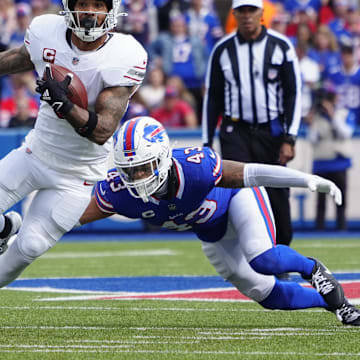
(77, 93)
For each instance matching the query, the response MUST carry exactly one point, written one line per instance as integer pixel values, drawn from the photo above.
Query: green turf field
(149, 329)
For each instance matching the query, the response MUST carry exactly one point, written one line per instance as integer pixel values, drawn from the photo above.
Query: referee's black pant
(242, 142)
(340, 179)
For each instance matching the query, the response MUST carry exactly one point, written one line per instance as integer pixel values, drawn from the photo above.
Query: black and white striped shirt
(255, 82)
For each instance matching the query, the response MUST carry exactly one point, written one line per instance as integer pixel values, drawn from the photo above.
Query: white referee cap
(238, 3)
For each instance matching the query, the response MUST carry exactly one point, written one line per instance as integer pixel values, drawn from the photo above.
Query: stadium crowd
(179, 36)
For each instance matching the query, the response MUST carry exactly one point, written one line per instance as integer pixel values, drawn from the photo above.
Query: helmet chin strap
(163, 190)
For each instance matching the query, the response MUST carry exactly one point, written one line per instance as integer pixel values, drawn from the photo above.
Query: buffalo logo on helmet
(154, 133)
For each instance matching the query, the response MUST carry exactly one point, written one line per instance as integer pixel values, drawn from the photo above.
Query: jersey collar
(68, 39)
(259, 38)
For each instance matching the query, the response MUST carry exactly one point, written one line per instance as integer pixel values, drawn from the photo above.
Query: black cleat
(348, 314)
(16, 221)
(326, 285)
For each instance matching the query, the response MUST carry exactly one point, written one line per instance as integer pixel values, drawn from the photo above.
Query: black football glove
(55, 92)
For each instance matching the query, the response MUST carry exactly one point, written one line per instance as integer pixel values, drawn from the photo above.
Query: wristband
(89, 127)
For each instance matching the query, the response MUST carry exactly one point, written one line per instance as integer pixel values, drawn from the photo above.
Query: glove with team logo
(55, 92)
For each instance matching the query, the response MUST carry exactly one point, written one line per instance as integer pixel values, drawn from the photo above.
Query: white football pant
(56, 208)
(249, 234)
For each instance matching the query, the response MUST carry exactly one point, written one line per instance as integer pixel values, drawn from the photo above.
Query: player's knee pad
(256, 288)
(32, 244)
(241, 275)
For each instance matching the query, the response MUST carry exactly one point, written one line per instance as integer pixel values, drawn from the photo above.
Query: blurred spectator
(279, 23)
(203, 23)
(167, 8)
(303, 17)
(141, 21)
(153, 92)
(326, 13)
(182, 55)
(175, 113)
(325, 49)
(40, 7)
(346, 78)
(353, 24)
(293, 6)
(331, 130)
(310, 75)
(353, 27)
(23, 18)
(7, 22)
(339, 24)
(23, 116)
(17, 89)
(303, 35)
(184, 94)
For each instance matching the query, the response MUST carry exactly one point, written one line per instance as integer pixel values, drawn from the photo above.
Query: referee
(253, 85)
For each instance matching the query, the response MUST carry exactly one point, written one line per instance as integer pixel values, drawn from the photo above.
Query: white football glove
(321, 185)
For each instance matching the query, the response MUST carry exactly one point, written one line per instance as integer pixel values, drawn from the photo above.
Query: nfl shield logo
(75, 60)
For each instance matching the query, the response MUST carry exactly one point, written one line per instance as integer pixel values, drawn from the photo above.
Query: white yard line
(337, 245)
(120, 349)
(128, 298)
(155, 309)
(75, 255)
(322, 332)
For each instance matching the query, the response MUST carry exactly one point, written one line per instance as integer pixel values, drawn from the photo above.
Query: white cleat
(16, 221)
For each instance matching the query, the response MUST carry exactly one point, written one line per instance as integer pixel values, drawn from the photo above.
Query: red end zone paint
(211, 295)
(351, 289)
(190, 288)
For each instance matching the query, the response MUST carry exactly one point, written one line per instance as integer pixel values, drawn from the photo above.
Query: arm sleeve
(274, 176)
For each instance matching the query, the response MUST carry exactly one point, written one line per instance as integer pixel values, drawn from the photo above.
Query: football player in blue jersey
(222, 203)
